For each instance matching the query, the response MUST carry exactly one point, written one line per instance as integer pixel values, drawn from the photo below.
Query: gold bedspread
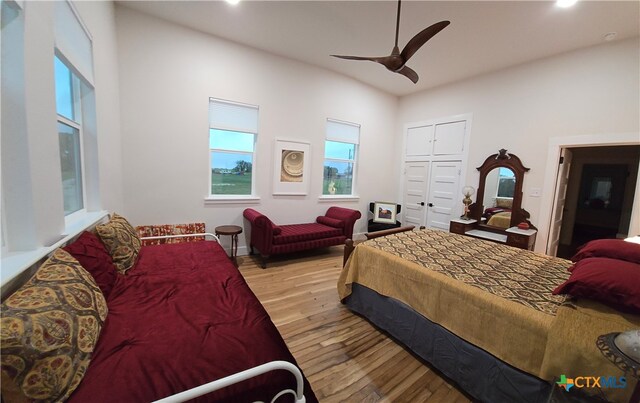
(571, 347)
(520, 276)
(493, 296)
(502, 220)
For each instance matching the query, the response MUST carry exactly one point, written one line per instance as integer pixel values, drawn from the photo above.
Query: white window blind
(73, 40)
(343, 132)
(233, 116)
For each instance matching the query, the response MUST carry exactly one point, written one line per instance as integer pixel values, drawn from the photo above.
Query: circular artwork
(292, 166)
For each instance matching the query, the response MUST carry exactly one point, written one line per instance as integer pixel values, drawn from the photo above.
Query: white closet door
(449, 138)
(415, 193)
(443, 193)
(419, 141)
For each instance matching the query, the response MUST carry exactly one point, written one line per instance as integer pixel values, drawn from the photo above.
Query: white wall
(589, 91)
(168, 73)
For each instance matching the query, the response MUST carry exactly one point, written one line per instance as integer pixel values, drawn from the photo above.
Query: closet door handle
(421, 203)
(430, 204)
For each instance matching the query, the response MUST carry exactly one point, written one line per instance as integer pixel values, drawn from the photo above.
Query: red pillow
(611, 248)
(331, 222)
(95, 259)
(610, 281)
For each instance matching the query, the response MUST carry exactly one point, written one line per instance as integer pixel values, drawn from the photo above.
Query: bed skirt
(477, 372)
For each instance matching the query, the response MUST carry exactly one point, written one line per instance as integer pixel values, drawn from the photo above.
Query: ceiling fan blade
(421, 38)
(390, 62)
(409, 73)
(373, 59)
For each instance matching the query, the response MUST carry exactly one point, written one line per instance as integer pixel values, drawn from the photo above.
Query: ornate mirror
(499, 197)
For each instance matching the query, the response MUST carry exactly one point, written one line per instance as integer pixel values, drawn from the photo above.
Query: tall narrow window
(69, 135)
(340, 151)
(232, 136)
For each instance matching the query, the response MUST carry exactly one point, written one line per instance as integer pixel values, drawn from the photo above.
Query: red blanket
(184, 316)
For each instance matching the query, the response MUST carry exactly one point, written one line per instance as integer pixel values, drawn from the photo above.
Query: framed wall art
(292, 167)
(384, 212)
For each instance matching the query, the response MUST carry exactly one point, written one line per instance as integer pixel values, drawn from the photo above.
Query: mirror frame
(502, 160)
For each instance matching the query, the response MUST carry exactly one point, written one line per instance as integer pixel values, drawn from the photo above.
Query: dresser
(514, 236)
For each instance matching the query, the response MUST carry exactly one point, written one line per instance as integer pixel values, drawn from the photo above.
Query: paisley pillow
(121, 240)
(49, 328)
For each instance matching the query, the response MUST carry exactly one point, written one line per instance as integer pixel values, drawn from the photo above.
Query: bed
(181, 317)
(500, 220)
(483, 314)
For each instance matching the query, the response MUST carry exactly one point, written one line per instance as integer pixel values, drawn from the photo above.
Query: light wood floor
(344, 357)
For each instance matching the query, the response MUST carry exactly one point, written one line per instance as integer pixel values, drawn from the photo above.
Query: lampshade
(622, 349)
(629, 343)
(468, 191)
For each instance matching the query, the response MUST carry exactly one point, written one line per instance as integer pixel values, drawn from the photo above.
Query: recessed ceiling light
(233, 2)
(609, 36)
(565, 3)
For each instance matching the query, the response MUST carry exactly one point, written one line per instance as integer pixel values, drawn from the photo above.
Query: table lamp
(467, 191)
(623, 349)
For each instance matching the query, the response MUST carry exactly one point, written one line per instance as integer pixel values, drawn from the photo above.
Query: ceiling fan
(396, 62)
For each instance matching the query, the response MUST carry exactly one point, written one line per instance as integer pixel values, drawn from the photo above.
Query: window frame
(76, 93)
(232, 198)
(354, 161)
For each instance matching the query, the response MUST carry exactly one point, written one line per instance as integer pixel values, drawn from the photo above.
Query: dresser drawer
(521, 241)
(456, 227)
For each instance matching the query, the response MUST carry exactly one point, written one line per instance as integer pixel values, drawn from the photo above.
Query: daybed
(487, 316)
(331, 229)
(179, 316)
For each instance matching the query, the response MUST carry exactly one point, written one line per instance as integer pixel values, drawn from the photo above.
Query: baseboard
(359, 236)
(242, 250)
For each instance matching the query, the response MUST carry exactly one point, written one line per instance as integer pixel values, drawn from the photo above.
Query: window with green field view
(231, 162)
(232, 137)
(340, 152)
(69, 135)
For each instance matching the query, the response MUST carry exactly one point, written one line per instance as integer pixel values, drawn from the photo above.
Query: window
(75, 106)
(340, 151)
(506, 183)
(69, 135)
(232, 137)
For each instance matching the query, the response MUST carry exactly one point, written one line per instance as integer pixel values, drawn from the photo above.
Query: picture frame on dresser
(384, 212)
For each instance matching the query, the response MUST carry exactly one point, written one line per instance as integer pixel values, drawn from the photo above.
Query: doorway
(600, 189)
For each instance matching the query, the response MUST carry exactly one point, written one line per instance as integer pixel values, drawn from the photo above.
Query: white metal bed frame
(243, 376)
(240, 376)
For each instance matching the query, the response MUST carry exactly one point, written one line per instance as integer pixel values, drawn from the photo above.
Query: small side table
(233, 231)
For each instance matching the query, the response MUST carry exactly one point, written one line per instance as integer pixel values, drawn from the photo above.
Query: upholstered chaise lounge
(270, 239)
